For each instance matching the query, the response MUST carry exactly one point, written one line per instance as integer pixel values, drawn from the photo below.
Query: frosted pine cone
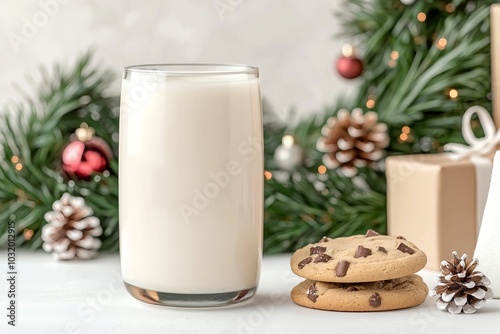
(352, 140)
(71, 231)
(461, 288)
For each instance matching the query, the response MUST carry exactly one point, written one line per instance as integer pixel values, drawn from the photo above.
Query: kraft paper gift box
(438, 200)
(433, 201)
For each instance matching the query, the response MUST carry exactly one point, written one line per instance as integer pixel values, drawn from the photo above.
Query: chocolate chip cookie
(386, 295)
(359, 258)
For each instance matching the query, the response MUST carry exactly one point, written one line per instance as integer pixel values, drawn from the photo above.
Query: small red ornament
(348, 65)
(85, 154)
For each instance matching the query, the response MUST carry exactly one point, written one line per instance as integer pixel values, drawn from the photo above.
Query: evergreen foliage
(302, 206)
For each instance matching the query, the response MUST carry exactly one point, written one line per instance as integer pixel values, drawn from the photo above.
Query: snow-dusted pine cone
(352, 140)
(71, 231)
(460, 288)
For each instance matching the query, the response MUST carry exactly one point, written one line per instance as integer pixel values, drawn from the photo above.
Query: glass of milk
(191, 183)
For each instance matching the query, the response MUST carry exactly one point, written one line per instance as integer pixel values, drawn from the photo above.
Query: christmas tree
(425, 62)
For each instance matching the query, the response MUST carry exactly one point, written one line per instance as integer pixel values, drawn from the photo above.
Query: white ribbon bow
(477, 146)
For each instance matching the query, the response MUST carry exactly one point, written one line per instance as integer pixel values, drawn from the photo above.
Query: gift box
(431, 199)
(437, 200)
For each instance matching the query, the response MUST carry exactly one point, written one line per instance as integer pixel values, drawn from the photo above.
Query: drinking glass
(191, 183)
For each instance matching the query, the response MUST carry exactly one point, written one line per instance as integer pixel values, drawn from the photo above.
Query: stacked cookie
(369, 272)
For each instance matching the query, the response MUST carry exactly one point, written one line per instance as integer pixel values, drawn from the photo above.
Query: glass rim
(189, 69)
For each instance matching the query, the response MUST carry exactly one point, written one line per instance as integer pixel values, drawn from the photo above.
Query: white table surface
(89, 297)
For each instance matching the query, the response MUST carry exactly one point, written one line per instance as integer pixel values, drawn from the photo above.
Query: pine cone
(71, 230)
(461, 288)
(352, 140)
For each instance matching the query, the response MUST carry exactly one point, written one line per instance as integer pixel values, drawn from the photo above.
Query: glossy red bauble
(349, 67)
(82, 159)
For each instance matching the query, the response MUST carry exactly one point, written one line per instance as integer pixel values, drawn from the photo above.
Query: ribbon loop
(477, 146)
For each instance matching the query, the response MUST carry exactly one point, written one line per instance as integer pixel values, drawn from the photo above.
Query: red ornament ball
(349, 67)
(82, 158)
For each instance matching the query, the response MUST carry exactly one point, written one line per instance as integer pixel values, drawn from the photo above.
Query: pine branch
(414, 91)
(32, 137)
(302, 211)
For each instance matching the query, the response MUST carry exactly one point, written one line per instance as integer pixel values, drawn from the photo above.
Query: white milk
(191, 182)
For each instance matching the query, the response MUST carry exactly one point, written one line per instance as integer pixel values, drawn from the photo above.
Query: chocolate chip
(324, 239)
(342, 267)
(317, 250)
(400, 237)
(362, 252)
(405, 249)
(375, 300)
(303, 263)
(351, 288)
(322, 257)
(371, 233)
(312, 293)
(381, 249)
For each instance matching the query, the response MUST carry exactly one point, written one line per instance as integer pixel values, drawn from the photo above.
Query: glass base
(190, 300)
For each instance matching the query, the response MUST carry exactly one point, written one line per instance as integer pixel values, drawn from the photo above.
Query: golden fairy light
(441, 43)
(19, 166)
(453, 94)
(421, 17)
(14, 159)
(450, 8)
(28, 234)
(405, 134)
(268, 175)
(370, 103)
(322, 169)
(394, 56)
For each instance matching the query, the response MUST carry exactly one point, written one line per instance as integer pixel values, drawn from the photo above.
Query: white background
(292, 41)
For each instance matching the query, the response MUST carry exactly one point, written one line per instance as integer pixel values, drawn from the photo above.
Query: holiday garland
(420, 73)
